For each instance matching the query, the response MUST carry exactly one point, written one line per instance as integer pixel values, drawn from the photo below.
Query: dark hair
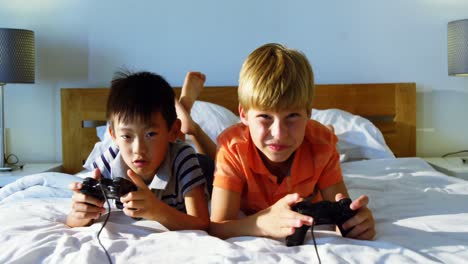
(137, 96)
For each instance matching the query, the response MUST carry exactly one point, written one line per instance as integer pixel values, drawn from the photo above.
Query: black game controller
(113, 188)
(324, 213)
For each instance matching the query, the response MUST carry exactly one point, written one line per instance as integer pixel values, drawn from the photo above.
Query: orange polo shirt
(239, 167)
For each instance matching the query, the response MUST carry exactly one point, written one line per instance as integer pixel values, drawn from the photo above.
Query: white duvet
(421, 217)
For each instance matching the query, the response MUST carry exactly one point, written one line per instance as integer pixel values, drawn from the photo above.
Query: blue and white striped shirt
(179, 173)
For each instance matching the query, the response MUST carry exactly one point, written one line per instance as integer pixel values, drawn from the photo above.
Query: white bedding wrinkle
(47, 184)
(421, 217)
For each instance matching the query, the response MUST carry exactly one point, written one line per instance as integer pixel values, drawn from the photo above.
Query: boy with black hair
(144, 125)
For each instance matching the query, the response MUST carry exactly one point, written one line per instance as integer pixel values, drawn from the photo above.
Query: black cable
(315, 243)
(453, 153)
(104, 224)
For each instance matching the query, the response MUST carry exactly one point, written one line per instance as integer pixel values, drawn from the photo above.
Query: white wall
(80, 43)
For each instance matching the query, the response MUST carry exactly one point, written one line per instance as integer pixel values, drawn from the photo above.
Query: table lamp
(457, 56)
(16, 66)
(457, 48)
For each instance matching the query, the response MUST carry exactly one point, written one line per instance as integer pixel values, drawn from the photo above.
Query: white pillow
(101, 132)
(358, 137)
(212, 118)
(100, 147)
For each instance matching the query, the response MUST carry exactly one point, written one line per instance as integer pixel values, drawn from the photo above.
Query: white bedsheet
(421, 217)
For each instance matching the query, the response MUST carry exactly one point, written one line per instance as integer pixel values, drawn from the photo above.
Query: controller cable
(315, 243)
(104, 224)
(309, 199)
(454, 153)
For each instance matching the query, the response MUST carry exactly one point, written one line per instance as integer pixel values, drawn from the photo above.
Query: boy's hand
(84, 208)
(362, 224)
(279, 221)
(141, 203)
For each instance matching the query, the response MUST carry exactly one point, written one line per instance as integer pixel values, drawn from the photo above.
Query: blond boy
(277, 156)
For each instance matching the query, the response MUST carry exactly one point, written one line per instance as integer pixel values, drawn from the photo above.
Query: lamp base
(12, 167)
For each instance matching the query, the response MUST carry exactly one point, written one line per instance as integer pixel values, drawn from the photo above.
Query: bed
(421, 214)
(390, 106)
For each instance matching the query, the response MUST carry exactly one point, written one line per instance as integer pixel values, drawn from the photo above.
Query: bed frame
(390, 106)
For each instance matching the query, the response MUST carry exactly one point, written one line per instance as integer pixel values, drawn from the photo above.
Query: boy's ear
(243, 115)
(174, 133)
(111, 132)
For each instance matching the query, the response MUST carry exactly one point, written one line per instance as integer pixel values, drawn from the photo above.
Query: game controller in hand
(113, 188)
(324, 212)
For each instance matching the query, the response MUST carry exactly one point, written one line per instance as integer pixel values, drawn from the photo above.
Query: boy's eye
(293, 115)
(263, 116)
(125, 137)
(151, 134)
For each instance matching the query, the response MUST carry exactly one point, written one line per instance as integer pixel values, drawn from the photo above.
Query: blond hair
(274, 77)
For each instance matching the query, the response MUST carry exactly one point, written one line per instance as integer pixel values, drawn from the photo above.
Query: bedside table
(453, 166)
(28, 169)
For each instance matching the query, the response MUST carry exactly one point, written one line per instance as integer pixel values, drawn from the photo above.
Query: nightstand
(453, 166)
(28, 169)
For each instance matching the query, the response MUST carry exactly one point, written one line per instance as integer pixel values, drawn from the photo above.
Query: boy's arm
(362, 224)
(143, 203)
(225, 206)
(329, 193)
(197, 207)
(276, 221)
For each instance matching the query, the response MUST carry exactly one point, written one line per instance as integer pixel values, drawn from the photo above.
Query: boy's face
(143, 146)
(276, 134)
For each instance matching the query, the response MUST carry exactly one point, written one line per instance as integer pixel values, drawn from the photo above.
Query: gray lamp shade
(16, 56)
(457, 47)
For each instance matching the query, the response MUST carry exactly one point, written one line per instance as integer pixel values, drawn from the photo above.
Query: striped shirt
(179, 173)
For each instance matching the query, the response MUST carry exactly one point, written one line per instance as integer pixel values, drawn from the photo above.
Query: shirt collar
(163, 175)
(255, 161)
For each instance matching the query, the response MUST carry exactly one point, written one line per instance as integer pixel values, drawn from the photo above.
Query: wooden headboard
(390, 106)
